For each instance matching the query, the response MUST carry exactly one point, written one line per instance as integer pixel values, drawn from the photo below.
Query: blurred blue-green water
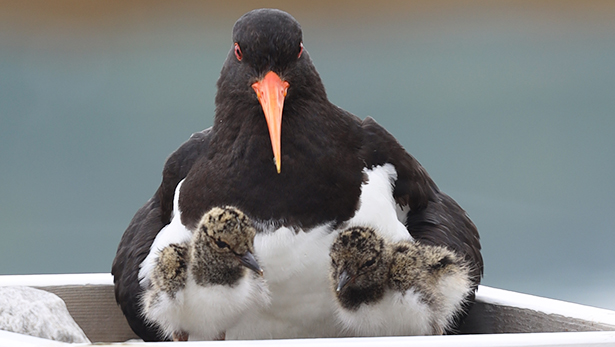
(509, 106)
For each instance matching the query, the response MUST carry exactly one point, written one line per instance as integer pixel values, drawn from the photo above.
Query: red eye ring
(238, 53)
(301, 51)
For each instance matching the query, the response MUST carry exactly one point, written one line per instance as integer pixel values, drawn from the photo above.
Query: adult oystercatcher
(303, 170)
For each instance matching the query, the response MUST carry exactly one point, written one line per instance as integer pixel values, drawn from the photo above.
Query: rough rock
(38, 313)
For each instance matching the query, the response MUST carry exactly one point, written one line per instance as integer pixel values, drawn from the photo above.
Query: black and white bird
(402, 288)
(302, 170)
(201, 288)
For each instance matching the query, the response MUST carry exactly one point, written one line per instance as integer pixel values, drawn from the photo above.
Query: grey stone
(38, 313)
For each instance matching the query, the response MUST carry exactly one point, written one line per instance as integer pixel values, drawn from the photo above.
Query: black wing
(413, 188)
(142, 231)
(444, 223)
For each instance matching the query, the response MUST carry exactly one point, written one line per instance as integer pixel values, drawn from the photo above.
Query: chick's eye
(221, 244)
(369, 262)
(238, 53)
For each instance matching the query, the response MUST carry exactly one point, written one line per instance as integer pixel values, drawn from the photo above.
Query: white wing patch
(174, 232)
(378, 208)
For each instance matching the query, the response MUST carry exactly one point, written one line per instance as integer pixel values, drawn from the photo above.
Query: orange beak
(271, 91)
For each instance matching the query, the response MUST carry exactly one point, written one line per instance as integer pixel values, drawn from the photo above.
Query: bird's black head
(267, 40)
(265, 72)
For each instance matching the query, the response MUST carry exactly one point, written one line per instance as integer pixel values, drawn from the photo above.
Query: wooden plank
(94, 308)
(90, 300)
(493, 319)
(501, 311)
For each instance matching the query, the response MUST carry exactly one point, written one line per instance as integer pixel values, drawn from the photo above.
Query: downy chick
(201, 288)
(403, 288)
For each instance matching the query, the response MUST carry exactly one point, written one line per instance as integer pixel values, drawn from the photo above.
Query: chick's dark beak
(342, 280)
(250, 262)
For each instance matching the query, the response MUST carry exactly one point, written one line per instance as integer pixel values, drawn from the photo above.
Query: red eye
(301, 51)
(238, 53)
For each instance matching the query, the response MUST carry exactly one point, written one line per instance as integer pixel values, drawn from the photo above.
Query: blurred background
(509, 105)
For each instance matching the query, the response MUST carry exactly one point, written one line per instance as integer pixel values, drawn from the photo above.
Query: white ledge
(56, 280)
(501, 297)
(595, 339)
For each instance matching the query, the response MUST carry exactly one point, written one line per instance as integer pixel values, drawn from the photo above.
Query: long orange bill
(271, 91)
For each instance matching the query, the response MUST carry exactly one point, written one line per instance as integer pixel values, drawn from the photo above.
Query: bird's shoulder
(177, 166)
(413, 187)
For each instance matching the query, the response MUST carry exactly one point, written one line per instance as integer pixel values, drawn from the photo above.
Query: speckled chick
(403, 288)
(202, 288)
(359, 267)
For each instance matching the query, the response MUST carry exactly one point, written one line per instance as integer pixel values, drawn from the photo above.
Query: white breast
(295, 267)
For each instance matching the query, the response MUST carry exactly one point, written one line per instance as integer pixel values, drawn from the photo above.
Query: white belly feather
(394, 314)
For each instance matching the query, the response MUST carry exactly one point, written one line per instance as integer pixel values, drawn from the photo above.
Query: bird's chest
(310, 190)
(295, 267)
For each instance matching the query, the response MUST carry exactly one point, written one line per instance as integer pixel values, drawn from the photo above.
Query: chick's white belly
(296, 267)
(228, 303)
(204, 312)
(395, 314)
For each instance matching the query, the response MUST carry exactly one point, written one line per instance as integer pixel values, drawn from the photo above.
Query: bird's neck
(239, 125)
(320, 169)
